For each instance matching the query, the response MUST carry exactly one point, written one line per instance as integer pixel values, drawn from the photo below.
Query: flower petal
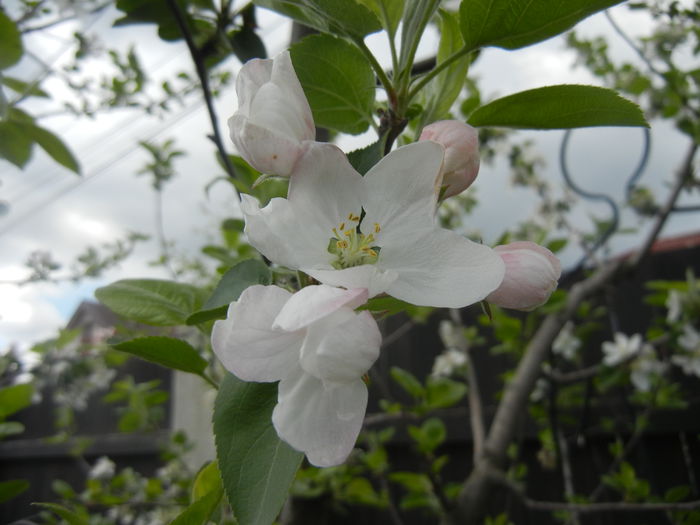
(341, 347)
(401, 189)
(441, 268)
(376, 280)
(315, 302)
(323, 422)
(251, 77)
(324, 190)
(246, 343)
(283, 75)
(278, 233)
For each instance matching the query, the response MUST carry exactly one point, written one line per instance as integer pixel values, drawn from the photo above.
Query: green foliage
(151, 301)
(430, 435)
(559, 107)
(230, 287)
(165, 351)
(11, 48)
(71, 517)
(206, 494)
(12, 488)
(338, 82)
(340, 17)
(15, 145)
(257, 468)
(364, 158)
(52, 145)
(142, 410)
(23, 88)
(626, 482)
(388, 305)
(14, 398)
(512, 24)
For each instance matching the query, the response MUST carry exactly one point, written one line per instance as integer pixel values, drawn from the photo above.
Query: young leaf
(199, 512)
(14, 398)
(337, 80)
(23, 88)
(512, 24)
(408, 382)
(207, 480)
(10, 43)
(340, 17)
(257, 468)
(12, 488)
(559, 107)
(165, 351)
(151, 301)
(15, 145)
(364, 158)
(72, 518)
(230, 287)
(52, 145)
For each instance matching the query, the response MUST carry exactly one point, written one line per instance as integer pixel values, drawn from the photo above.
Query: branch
(613, 506)
(204, 80)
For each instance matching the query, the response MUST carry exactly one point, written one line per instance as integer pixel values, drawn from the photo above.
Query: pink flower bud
(532, 272)
(273, 117)
(461, 143)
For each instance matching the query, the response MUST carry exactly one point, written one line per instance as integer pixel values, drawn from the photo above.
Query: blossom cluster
(358, 237)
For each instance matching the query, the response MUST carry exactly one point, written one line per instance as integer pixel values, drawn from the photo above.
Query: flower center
(350, 247)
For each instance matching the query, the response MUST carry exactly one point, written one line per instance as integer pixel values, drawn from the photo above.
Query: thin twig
(204, 80)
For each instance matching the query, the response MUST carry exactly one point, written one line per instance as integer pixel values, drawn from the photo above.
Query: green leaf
(52, 145)
(165, 351)
(12, 488)
(337, 80)
(430, 435)
(407, 381)
(388, 11)
(22, 87)
(73, 518)
(230, 287)
(444, 89)
(559, 107)
(151, 301)
(512, 24)
(340, 17)
(199, 512)
(152, 12)
(364, 158)
(392, 306)
(207, 480)
(442, 392)
(15, 145)
(10, 42)
(257, 468)
(10, 428)
(14, 398)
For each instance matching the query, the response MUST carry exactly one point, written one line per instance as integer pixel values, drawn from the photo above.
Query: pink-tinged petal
(532, 273)
(323, 422)
(246, 343)
(341, 347)
(265, 148)
(461, 143)
(324, 190)
(441, 268)
(280, 234)
(401, 190)
(315, 302)
(375, 279)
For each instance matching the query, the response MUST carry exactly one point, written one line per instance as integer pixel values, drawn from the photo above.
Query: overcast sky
(53, 209)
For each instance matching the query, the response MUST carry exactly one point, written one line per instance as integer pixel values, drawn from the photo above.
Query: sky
(53, 209)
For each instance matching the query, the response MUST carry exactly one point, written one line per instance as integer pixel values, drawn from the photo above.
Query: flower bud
(532, 272)
(273, 117)
(461, 143)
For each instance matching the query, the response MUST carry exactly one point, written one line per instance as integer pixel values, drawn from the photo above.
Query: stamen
(377, 229)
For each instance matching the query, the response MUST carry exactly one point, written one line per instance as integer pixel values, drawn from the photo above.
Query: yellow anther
(377, 229)
(348, 233)
(342, 244)
(342, 225)
(354, 218)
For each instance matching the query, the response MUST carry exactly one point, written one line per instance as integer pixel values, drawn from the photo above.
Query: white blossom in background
(622, 349)
(273, 122)
(689, 361)
(566, 344)
(318, 348)
(377, 232)
(674, 305)
(448, 362)
(102, 469)
(645, 368)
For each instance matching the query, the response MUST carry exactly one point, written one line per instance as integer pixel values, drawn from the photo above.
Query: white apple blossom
(644, 368)
(566, 344)
(318, 348)
(377, 232)
(273, 120)
(622, 349)
(674, 305)
(689, 361)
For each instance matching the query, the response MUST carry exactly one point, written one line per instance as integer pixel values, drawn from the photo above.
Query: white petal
(283, 75)
(441, 268)
(402, 188)
(376, 280)
(341, 347)
(323, 422)
(279, 233)
(251, 77)
(246, 343)
(324, 190)
(314, 302)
